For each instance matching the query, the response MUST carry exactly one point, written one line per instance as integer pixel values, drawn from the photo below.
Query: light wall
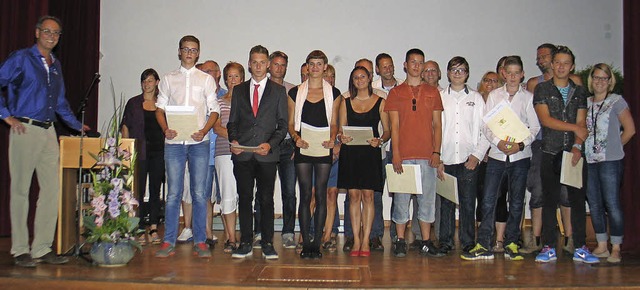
(139, 34)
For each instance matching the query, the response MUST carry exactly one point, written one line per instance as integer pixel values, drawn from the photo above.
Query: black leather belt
(40, 124)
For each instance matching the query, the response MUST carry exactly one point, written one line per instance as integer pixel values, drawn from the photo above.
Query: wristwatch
(578, 146)
(521, 145)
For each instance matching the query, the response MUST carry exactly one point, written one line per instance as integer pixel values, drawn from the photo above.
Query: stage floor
(334, 270)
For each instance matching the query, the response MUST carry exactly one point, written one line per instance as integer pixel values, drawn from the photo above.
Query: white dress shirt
(253, 84)
(462, 126)
(522, 105)
(377, 84)
(189, 87)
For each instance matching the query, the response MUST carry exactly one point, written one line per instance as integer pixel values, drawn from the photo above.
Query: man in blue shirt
(35, 94)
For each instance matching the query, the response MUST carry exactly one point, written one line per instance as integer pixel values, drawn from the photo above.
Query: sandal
(499, 247)
(328, 245)
(142, 239)
(299, 248)
(229, 246)
(154, 238)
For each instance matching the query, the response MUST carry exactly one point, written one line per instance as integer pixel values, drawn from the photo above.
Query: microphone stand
(79, 244)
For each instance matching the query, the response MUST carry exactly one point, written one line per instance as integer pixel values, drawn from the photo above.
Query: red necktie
(255, 100)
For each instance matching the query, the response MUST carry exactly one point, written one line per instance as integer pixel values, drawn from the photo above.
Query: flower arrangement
(112, 218)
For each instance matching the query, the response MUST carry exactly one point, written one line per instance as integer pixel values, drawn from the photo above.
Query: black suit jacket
(269, 126)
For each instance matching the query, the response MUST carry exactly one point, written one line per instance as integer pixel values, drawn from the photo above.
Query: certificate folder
(409, 181)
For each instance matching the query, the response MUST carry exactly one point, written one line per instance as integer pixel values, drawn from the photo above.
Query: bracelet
(436, 152)
(578, 146)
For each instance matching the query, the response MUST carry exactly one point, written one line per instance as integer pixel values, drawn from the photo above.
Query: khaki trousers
(38, 150)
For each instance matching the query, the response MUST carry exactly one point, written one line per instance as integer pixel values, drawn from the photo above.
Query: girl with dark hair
(139, 122)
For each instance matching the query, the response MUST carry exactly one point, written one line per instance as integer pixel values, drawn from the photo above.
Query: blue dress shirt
(32, 91)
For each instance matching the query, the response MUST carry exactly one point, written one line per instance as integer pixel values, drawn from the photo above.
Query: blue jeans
(175, 157)
(516, 174)
(426, 201)
(603, 194)
(467, 180)
(287, 173)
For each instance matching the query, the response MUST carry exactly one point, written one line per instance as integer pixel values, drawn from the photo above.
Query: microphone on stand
(83, 104)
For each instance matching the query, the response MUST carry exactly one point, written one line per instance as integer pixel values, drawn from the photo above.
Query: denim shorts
(426, 201)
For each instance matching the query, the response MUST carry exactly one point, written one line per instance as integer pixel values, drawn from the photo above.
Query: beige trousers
(37, 149)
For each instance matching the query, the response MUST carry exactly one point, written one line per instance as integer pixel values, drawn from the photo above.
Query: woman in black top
(312, 103)
(139, 122)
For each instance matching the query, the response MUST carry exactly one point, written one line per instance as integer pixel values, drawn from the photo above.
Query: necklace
(363, 99)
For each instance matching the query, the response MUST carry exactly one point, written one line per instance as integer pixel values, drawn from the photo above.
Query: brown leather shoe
(51, 258)
(25, 260)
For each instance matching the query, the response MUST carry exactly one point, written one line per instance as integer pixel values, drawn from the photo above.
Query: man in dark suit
(258, 118)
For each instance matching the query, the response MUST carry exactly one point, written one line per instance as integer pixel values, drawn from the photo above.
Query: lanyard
(594, 121)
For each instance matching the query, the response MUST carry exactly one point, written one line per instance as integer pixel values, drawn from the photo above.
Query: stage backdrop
(140, 34)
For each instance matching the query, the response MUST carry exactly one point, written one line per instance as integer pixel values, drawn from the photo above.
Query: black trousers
(263, 174)
(153, 166)
(551, 195)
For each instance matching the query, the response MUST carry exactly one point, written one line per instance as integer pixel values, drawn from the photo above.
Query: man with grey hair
(35, 96)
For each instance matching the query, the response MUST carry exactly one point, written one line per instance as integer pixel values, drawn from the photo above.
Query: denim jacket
(547, 93)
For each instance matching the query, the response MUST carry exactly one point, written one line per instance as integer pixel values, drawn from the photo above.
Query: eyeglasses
(413, 104)
(430, 70)
(49, 33)
(187, 50)
(600, 79)
(458, 71)
(485, 80)
(542, 56)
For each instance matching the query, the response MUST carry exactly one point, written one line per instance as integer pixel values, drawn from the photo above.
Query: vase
(107, 254)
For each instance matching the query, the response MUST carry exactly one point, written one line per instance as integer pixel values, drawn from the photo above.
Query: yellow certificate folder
(448, 188)
(409, 181)
(504, 123)
(571, 175)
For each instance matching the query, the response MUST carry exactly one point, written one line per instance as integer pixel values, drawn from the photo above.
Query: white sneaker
(185, 236)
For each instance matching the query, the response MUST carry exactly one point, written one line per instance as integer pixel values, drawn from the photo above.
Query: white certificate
(505, 123)
(314, 136)
(183, 120)
(360, 135)
(410, 181)
(571, 175)
(448, 188)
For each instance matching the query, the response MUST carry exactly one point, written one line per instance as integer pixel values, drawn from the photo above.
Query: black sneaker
(429, 249)
(445, 248)
(348, 244)
(400, 249)
(467, 248)
(477, 253)
(245, 250)
(268, 252)
(415, 245)
(51, 258)
(25, 260)
(376, 244)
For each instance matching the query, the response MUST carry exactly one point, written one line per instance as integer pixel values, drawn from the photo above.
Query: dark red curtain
(630, 198)
(78, 52)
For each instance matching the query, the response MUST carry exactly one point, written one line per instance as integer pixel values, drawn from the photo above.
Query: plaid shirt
(547, 93)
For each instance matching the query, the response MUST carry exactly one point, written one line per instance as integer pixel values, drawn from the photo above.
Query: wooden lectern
(68, 175)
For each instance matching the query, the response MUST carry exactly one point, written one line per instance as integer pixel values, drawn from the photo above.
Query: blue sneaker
(547, 254)
(583, 255)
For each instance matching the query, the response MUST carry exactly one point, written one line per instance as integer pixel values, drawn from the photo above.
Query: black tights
(305, 173)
